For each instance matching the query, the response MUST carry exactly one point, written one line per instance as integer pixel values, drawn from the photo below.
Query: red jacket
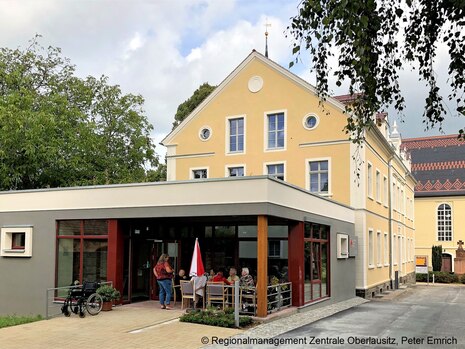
(219, 278)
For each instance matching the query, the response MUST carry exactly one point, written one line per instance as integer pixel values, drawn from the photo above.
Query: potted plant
(109, 294)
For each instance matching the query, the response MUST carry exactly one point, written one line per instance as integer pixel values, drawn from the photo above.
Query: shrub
(436, 257)
(213, 317)
(440, 277)
(108, 293)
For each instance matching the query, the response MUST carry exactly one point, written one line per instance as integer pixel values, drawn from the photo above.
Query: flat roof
(206, 193)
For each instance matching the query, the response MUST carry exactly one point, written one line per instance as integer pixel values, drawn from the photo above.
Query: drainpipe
(391, 261)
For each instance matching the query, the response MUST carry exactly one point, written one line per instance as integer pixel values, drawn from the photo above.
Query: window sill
(14, 250)
(371, 198)
(235, 153)
(379, 202)
(379, 265)
(386, 264)
(371, 266)
(274, 149)
(326, 195)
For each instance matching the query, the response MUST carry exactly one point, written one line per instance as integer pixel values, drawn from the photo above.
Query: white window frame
(307, 175)
(6, 241)
(386, 249)
(228, 134)
(370, 180)
(394, 249)
(229, 166)
(378, 186)
(304, 121)
(378, 249)
(386, 191)
(371, 251)
(265, 167)
(451, 223)
(265, 130)
(192, 169)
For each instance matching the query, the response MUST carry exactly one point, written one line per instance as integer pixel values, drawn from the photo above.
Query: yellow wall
(326, 141)
(426, 226)
(278, 94)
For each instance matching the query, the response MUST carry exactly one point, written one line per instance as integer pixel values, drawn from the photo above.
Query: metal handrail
(53, 303)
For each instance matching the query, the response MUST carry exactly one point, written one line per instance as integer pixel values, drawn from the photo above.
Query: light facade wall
(279, 93)
(427, 224)
(327, 141)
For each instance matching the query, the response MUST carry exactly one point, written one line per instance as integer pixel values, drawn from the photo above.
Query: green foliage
(436, 257)
(366, 35)
(214, 317)
(12, 320)
(108, 293)
(60, 130)
(441, 277)
(185, 108)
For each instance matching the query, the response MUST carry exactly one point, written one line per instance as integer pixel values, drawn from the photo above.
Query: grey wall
(24, 280)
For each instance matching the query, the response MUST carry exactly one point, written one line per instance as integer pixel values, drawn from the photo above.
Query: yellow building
(264, 120)
(438, 163)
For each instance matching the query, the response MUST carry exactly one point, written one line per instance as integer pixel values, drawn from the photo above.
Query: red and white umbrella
(197, 268)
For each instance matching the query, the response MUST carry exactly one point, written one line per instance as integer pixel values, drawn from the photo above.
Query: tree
(366, 34)
(60, 130)
(185, 108)
(436, 257)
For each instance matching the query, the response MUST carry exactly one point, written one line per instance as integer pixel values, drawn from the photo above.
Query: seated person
(199, 285)
(211, 275)
(219, 277)
(233, 276)
(246, 279)
(181, 276)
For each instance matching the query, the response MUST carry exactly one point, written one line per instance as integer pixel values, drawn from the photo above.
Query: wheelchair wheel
(94, 304)
(66, 308)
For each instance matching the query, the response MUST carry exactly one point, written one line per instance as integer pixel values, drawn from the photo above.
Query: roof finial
(266, 37)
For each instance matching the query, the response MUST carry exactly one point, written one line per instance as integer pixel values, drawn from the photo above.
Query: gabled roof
(438, 163)
(253, 55)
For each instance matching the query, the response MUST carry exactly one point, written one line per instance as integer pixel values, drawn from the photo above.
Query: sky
(165, 49)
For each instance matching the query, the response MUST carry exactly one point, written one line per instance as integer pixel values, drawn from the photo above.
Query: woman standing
(164, 273)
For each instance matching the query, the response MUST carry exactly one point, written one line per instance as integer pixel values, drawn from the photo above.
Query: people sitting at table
(211, 275)
(246, 279)
(233, 276)
(219, 277)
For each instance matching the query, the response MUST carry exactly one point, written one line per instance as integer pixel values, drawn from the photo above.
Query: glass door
(160, 247)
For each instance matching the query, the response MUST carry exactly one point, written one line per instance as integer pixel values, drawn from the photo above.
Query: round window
(310, 121)
(205, 133)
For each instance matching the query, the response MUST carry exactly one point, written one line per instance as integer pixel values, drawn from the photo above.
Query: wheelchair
(82, 298)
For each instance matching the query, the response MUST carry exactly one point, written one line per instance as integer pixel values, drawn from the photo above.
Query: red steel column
(296, 262)
(115, 255)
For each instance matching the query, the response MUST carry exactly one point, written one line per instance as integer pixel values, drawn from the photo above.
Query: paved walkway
(140, 325)
(145, 325)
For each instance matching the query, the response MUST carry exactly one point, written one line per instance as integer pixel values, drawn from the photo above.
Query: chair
(216, 291)
(187, 291)
(174, 289)
(247, 294)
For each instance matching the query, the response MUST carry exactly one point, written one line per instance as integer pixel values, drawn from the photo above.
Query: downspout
(391, 261)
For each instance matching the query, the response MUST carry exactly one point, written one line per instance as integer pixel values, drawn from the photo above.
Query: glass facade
(316, 263)
(82, 251)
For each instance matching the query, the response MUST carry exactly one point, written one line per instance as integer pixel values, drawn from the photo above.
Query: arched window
(444, 223)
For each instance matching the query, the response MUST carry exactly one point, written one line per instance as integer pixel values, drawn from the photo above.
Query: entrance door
(446, 263)
(160, 247)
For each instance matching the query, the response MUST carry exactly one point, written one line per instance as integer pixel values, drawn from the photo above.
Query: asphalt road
(423, 317)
